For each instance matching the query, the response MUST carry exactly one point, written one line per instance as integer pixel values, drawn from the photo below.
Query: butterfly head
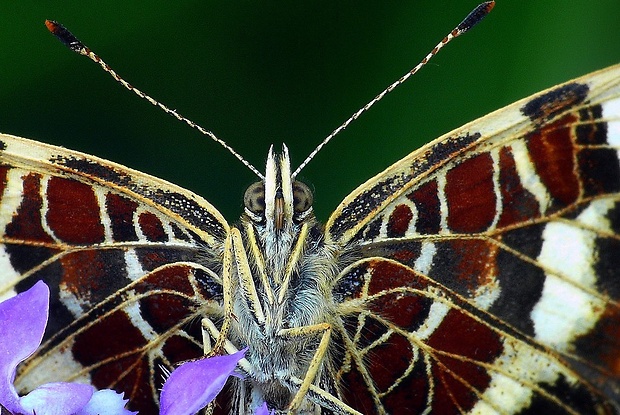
(279, 201)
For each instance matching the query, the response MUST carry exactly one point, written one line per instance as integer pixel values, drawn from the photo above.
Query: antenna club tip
(488, 6)
(475, 16)
(53, 26)
(66, 37)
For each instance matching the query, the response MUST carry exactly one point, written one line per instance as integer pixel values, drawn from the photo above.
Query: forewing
(515, 218)
(132, 263)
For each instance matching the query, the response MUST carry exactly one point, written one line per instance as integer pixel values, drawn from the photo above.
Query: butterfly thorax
(282, 274)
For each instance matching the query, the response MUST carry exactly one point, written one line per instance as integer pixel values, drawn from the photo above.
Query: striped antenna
(66, 37)
(473, 18)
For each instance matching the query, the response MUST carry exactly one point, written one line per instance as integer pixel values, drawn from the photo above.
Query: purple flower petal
(22, 324)
(194, 384)
(263, 410)
(106, 402)
(57, 399)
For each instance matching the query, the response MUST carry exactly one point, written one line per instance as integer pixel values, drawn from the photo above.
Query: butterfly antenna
(472, 19)
(66, 37)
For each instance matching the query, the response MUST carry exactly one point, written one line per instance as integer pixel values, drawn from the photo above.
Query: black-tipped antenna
(66, 37)
(472, 19)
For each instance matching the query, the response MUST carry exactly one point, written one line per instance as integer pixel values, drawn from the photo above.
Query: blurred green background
(257, 73)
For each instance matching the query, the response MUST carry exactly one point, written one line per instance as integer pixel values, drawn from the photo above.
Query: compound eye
(254, 198)
(302, 197)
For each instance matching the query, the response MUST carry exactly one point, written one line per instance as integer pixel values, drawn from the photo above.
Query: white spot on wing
(563, 313)
(11, 200)
(496, 188)
(168, 230)
(100, 195)
(9, 277)
(7, 291)
(75, 306)
(12, 197)
(424, 262)
(486, 295)
(611, 113)
(527, 173)
(595, 215)
(519, 365)
(436, 315)
(443, 203)
(134, 268)
(61, 367)
(45, 208)
(132, 308)
(136, 224)
(566, 310)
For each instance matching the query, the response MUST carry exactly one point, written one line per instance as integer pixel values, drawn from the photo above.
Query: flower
(263, 410)
(22, 323)
(194, 384)
(106, 402)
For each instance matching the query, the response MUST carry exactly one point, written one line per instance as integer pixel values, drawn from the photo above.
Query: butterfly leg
(323, 398)
(317, 359)
(306, 386)
(209, 330)
(245, 279)
(228, 298)
(228, 346)
(207, 347)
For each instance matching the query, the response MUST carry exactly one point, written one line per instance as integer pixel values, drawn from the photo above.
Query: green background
(257, 73)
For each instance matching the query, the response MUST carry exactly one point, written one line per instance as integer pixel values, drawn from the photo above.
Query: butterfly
(476, 275)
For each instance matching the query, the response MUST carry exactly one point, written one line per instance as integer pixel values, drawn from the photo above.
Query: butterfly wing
(489, 279)
(131, 261)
